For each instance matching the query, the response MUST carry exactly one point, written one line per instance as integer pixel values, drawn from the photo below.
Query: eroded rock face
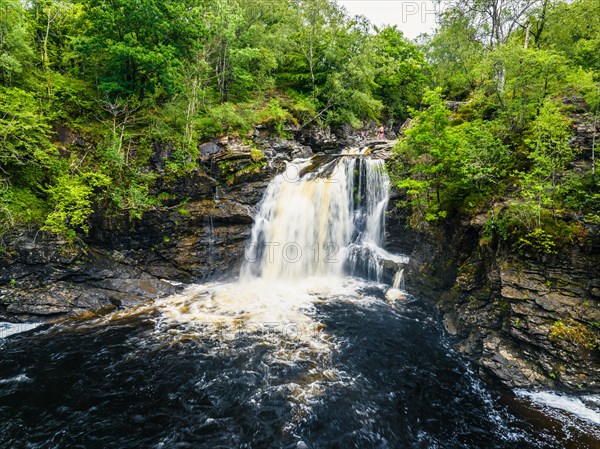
(44, 278)
(185, 243)
(553, 316)
(200, 231)
(526, 321)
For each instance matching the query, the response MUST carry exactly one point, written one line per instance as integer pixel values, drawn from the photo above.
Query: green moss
(227, 166)
(257, 155)
(182, 209)
(252, 168)
(574, 332)
(248, 169)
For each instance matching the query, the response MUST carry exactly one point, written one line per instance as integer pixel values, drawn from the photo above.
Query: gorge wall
(525, 320)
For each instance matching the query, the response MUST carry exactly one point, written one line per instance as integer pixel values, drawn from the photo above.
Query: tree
(455, 55)
(71, 199)
(484, 160)
(138, 46)
(15, 50)
(316, 23)
(530, 76)
(496, 20)
(432, 150)
(331, 59)
(551, 149)
(24, 133)
(573, 28)
(400, 72)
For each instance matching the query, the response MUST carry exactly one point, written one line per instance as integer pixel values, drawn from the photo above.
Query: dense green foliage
(89, 87)
(506, 150)
(126, 74)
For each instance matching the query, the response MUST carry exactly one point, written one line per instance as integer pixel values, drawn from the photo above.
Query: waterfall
(210, 238)
(399, 280)
(323, 221)
(364, 251)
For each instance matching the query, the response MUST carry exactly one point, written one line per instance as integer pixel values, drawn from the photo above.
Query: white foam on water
(16, 379)
(570, 404)
(278, 315)
(257, 307)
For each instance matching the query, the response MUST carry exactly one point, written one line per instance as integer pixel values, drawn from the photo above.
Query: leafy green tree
(541, 187)
(455, 55)
(315, 25)
(573, 28)
(496, 20)
(48, 19)
(349, 85)
(15, 49)
(551, 149)
(484, 160)
(72, 199)
(24, 133)
(137, 46)
(432, 149)
(400, 72)
(330, 58)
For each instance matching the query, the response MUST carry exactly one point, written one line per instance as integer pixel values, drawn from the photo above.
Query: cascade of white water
(399, 280)
(321, 223)
(377, 194)
(365, 254)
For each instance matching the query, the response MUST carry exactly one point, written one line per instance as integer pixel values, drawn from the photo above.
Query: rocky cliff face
(527, 321)
(44, 278)
(200, 232)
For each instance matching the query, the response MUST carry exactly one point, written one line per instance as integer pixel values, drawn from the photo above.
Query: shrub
(71, 199)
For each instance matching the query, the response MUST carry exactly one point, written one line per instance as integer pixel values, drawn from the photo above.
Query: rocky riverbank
(199, 232)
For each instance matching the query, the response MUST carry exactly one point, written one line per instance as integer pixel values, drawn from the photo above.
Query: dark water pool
(375, 376)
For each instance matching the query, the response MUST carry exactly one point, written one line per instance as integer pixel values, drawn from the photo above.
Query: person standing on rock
(380, 133)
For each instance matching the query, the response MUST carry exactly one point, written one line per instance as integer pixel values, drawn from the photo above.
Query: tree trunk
(542, 22)
(594, 143)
